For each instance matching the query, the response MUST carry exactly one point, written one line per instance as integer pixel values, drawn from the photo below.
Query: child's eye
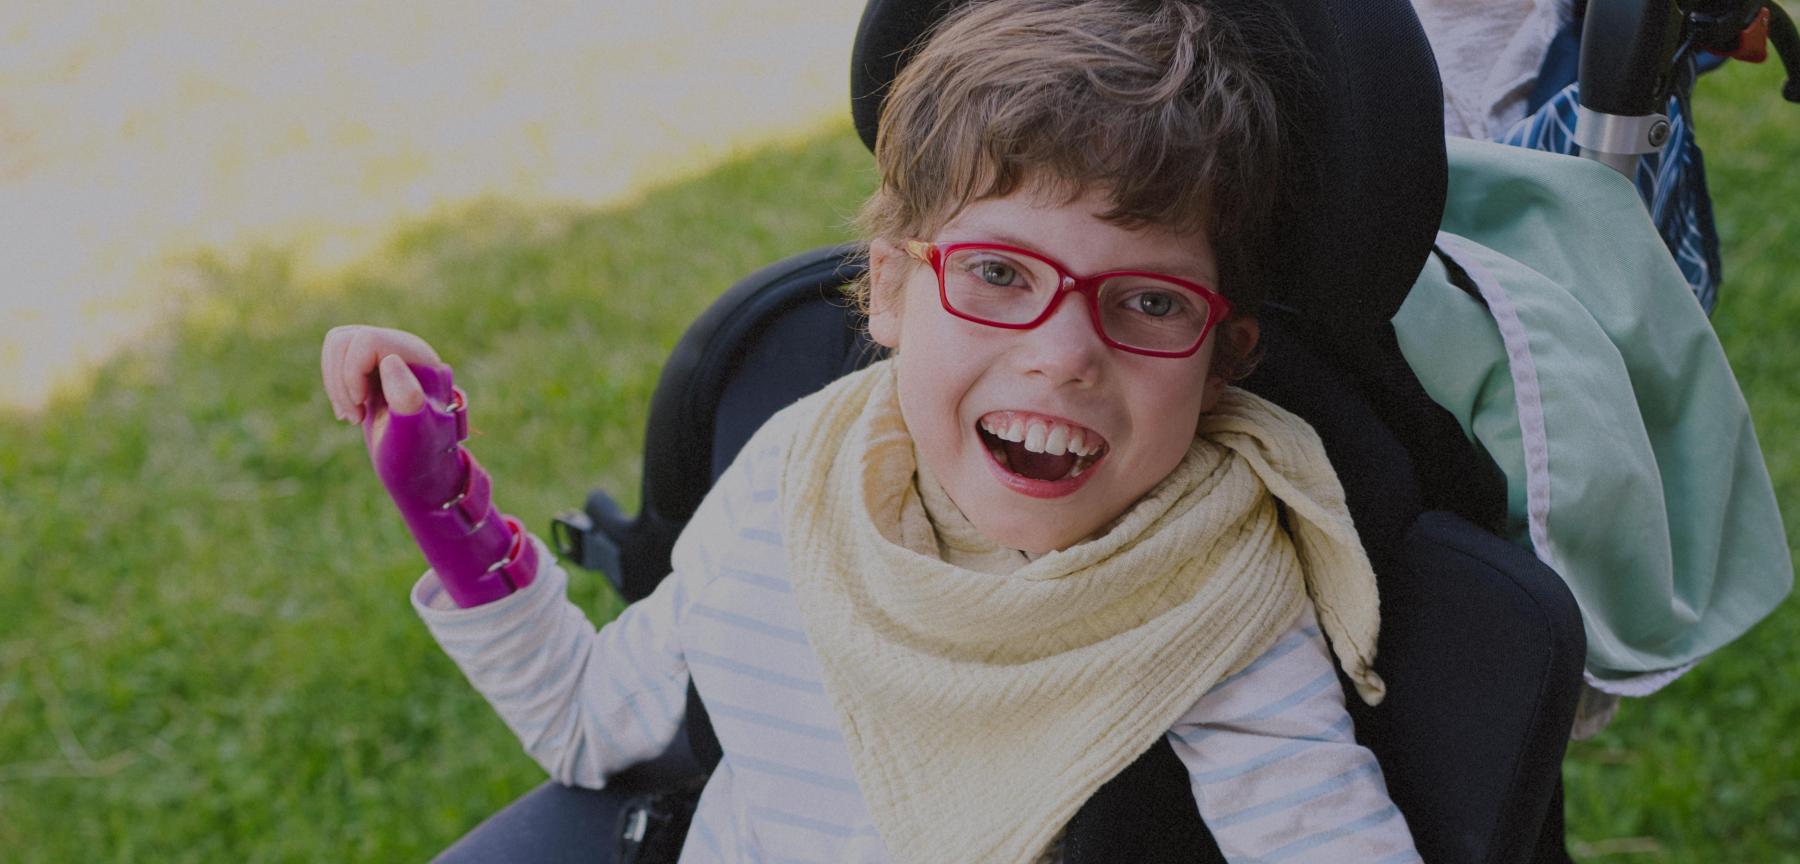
(997, 273)
(987, 273)
(1153, 303)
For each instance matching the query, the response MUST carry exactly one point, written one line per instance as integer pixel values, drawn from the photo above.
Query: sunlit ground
(134, 135)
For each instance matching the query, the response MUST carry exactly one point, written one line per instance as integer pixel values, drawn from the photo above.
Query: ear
(1241, 335)
(887, 276)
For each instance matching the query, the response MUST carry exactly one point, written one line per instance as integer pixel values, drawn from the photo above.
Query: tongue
(1037, 466)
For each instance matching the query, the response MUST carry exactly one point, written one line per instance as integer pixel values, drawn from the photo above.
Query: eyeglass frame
(935, 254)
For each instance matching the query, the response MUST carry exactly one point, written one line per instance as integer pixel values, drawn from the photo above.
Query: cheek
(1169, 441)
(931, 389)
(923, 402)
(1169, 416)
(939, 366)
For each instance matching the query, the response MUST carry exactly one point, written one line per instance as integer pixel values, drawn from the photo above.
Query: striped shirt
(1274, 768)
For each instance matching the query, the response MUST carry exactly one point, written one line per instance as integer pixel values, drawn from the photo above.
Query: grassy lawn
(206, 652)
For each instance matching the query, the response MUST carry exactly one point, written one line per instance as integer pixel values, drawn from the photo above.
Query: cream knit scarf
(981, 711)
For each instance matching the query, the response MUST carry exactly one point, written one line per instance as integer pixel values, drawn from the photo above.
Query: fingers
(360, 357)
(400, 387)
(331, 368)
(351, 354)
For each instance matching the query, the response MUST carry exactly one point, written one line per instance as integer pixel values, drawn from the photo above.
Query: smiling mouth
(1040, 448)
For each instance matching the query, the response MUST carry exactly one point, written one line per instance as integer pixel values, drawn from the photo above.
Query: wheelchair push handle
(1744, 30)
(1627, 47)
(1631, 48)
(1627, 51)
(1787, 47)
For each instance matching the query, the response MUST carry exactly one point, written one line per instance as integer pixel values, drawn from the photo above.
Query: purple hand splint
(479, 554)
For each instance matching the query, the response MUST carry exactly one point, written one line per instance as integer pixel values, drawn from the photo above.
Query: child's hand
(364, 369)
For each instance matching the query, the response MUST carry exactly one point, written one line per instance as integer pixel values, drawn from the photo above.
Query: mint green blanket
(1595, 382)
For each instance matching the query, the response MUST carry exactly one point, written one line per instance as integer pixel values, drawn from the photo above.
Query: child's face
(960, 381)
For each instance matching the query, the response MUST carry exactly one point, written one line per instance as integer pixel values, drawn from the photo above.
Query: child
(932, 608)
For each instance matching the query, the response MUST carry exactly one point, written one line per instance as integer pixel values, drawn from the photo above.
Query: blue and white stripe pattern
(1671, 182)
(1274, 768)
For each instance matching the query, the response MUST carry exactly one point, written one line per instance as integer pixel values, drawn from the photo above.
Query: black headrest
(1360, 233)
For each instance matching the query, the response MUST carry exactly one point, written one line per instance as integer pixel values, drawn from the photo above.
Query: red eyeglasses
(1017, 289)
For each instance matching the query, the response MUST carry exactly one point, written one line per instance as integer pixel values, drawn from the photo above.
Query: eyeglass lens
(1139, 311)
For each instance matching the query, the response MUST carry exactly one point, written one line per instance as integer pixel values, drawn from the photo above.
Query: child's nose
(1066, 347)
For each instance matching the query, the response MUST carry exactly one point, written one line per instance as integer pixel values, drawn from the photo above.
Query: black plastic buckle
(592, 543)
(652, 828)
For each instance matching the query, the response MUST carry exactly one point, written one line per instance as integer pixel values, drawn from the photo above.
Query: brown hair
(1175, 111)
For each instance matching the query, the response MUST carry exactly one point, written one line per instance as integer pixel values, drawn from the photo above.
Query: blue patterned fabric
(1672, 183)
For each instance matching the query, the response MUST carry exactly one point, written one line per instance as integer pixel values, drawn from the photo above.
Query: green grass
(206, 652)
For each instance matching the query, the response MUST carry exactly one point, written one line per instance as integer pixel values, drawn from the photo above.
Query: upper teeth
(1042, 436)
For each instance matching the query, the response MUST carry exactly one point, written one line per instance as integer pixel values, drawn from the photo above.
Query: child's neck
(957, 540)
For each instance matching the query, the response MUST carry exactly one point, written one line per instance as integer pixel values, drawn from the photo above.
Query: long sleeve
(584, 704)
(1275, 769)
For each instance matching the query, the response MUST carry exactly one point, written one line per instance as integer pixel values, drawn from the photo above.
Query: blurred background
(134, 134)
(206, 651)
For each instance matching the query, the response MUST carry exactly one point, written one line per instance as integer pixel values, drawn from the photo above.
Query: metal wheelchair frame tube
(1627, 50)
